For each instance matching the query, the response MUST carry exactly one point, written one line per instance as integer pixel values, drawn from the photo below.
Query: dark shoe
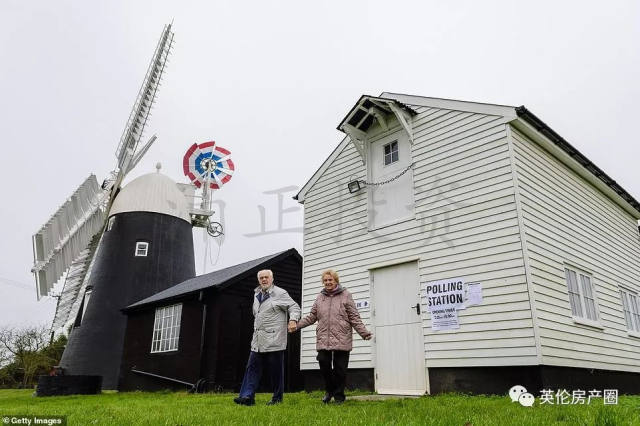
(326, 398)
(339, 398)
(338, 401)
(244, 401)
(274, 402)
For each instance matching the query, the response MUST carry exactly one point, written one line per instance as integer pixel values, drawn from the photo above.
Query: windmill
(67, 244)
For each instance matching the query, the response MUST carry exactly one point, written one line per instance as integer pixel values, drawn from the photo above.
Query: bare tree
(24, 347)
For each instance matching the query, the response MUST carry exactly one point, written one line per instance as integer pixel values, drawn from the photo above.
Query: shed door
(399, 341)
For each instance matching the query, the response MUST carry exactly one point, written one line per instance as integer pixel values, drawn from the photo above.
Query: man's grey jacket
(270, 320)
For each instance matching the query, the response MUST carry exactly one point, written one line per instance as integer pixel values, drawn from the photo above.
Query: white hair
(265, 270)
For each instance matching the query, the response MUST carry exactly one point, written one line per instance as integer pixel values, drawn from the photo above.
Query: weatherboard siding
(465, 224)
(568, 221)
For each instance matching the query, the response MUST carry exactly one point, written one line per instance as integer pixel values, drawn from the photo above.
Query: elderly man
(271, 307)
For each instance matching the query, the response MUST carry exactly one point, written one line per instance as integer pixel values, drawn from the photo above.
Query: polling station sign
(443, 294)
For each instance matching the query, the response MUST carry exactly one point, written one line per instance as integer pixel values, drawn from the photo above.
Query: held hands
(293, 326)
(368, 337)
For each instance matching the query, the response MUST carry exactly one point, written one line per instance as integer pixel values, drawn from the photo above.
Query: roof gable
(406, 101)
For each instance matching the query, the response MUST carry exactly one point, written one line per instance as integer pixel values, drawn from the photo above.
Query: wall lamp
(354, 186)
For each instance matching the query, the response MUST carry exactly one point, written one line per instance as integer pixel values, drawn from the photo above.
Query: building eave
(527, 121)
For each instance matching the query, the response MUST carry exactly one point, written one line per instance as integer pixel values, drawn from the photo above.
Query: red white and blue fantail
(208, 162)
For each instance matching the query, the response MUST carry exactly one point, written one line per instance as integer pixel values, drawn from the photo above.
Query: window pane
(587, 293)
(590, 307)
(628, 319)
(586, 286)
(635, 311)
(390, 153)
(574, 294)
(179, 314)
(141, 248)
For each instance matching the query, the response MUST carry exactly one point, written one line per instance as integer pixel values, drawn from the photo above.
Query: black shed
(200, 329)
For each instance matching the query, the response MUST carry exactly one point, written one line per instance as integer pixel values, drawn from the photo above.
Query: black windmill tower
(115, 246)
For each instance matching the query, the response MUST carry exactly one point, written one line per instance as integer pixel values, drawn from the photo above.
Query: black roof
(540, 126)
(220, 279)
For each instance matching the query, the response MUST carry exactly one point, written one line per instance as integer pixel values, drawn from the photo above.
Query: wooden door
(399, 340)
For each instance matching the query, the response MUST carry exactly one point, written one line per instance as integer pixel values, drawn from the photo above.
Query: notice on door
(444, 319)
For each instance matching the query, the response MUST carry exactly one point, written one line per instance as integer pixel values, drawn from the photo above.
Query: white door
(399, 341)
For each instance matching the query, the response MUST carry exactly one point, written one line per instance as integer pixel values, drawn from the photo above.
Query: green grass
(169, 408)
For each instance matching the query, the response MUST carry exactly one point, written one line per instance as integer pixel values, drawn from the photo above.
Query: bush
(25, 353)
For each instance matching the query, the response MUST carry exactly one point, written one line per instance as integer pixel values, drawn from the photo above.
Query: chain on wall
(384, 182)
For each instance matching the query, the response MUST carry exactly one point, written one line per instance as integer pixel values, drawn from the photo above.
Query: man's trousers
(274, 363)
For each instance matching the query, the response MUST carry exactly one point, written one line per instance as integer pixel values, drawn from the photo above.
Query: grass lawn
(169, 408)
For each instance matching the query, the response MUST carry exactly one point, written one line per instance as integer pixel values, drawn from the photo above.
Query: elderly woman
(336, 313)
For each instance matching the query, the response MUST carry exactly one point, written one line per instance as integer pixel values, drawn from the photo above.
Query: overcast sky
(270, 81)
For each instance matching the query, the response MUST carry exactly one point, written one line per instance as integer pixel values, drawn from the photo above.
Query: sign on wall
(362, 305)
(444, 298)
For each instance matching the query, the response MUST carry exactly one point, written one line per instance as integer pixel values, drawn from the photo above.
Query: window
(390, 153)
(142, 248)
(581, 295)
(85, 303)
(166, 329)
(631, 308)
(110, 223)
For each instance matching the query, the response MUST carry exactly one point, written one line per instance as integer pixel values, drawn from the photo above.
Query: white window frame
(142, 249)
(166, 329)
(391, 152)
(631, 310)
(579, 313)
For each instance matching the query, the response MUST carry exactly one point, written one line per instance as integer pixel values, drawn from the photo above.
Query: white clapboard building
(425, 190)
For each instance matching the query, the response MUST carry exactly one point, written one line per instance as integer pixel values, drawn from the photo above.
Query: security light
(354, 186)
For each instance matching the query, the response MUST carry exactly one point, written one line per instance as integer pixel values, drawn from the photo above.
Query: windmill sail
(137, 121)
(75, 284)
(61, 240)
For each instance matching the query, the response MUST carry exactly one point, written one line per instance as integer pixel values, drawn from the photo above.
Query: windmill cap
(153, 192)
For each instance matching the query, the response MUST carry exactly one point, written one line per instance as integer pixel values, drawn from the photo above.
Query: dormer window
(390, 153)
(142, 249)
